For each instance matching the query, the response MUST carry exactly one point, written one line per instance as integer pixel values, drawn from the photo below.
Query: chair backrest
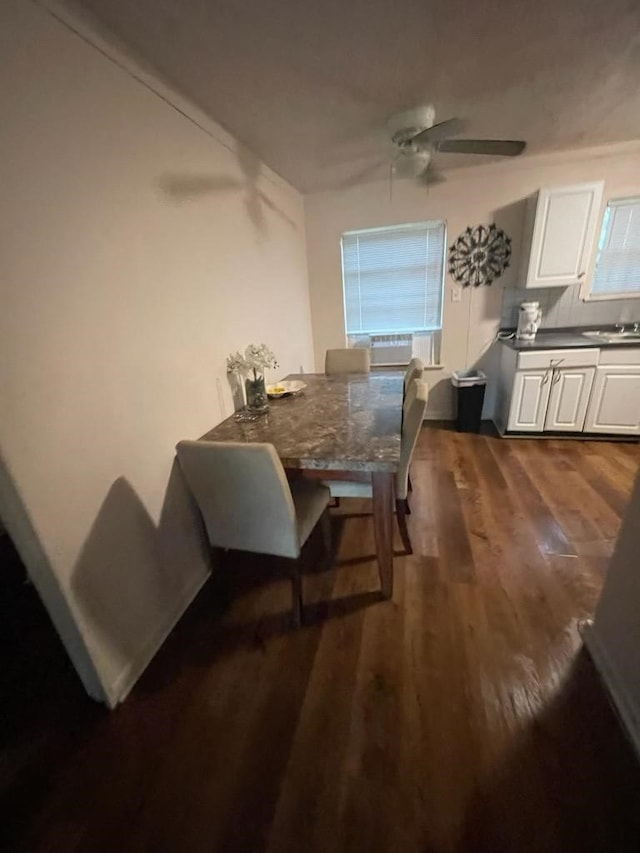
(409, 395)
(414, 371)
(243, 495)
(353, 360)
(414, 408)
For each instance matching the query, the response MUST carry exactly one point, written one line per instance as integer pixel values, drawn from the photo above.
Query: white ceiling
(308, 84)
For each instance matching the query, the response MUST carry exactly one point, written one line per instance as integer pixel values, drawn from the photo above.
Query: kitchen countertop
(572, 338)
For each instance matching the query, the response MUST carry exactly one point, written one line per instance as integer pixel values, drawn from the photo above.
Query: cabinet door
(569, 398)
(563, 233)
(614, 406)
(529, 400)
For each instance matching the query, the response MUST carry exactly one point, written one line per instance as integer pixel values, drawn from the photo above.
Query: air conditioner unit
(397, 349)
(391, 349)
(426, 346)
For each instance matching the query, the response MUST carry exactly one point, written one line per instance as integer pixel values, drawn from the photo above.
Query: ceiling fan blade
(440, 131)
(500, 147)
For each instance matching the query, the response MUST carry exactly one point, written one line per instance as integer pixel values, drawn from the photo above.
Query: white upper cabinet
(560, 229)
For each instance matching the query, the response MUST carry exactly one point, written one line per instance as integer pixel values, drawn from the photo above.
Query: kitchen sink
(613, 337)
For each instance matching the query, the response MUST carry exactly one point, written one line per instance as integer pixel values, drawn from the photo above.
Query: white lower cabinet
(529, 400)
(615, 401)
(584, 390)
(569, 398)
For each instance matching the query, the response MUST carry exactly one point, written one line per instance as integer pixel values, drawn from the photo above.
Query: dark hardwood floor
(462, 716)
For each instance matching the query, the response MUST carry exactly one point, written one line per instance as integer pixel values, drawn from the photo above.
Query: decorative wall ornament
(479, 255)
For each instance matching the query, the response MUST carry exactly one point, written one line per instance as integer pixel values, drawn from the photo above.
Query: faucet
(619, 327)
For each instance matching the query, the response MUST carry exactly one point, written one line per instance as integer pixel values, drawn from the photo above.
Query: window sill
(587, 296)
(616, 298)
(405, 365)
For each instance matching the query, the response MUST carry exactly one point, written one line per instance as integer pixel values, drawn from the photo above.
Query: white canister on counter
(529, 319)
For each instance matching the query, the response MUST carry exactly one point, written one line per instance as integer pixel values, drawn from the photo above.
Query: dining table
(338, 427)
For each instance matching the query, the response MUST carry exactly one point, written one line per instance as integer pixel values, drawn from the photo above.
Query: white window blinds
(393, 278)
(618, 261)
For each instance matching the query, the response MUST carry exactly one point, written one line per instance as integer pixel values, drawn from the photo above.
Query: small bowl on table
(285, 388)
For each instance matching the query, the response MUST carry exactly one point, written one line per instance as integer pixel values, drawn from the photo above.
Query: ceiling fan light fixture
(421, 161)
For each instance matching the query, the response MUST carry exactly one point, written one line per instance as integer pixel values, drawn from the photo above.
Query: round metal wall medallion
(479, 255)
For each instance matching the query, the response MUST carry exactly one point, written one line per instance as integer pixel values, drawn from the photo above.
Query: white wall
(470, 196)
(614, 638)
(137, 250)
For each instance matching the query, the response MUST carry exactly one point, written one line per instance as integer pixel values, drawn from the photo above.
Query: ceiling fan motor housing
(405, 125)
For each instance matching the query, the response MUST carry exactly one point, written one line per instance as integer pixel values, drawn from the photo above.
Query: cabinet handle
(545, 378)
(556, 377)
(556, 362)
(581, 275)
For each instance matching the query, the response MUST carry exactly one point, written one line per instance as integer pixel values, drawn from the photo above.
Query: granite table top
(337, 423)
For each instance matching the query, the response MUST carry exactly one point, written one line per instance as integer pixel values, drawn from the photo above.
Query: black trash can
(470, 387)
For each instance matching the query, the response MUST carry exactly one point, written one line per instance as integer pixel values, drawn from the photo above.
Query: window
(617, 272)
(393, 278)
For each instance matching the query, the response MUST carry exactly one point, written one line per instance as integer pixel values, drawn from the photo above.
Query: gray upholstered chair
(415, 404)
(248, 504)
(353, 360)
(415, 369)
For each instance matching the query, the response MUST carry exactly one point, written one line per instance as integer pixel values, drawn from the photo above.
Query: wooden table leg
(382, 485)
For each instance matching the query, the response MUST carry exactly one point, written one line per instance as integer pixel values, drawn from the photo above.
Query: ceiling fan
(415, 139)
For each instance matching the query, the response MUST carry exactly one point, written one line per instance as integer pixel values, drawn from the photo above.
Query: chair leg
(325, 522)
(220, 580)
(296, 593)
(401, 513)
(407, 508)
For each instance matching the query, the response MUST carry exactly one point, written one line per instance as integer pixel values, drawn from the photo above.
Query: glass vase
(257, 400)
